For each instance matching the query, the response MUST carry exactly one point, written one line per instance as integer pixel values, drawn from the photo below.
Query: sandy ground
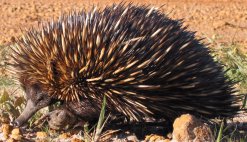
(223, 21)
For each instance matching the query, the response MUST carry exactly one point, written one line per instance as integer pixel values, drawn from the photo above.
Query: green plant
(11, 104)
(99, 127)
(234, 61)
(220, 133)
(226, 132)
(4, 79)
(101, 122)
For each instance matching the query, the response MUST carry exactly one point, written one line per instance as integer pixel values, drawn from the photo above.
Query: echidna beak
(28, 112)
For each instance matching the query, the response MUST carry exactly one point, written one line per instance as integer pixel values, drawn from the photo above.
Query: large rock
(188, 128)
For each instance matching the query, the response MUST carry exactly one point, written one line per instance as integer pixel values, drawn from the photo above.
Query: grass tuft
(235, 63)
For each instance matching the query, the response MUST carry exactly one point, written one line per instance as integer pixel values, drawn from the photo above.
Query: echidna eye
(40, 97)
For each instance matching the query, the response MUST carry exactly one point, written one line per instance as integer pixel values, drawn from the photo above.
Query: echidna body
(144, 63)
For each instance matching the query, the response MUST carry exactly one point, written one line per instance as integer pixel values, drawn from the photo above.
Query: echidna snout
(36, 99)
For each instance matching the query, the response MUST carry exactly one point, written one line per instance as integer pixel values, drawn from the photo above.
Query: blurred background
(223, 21)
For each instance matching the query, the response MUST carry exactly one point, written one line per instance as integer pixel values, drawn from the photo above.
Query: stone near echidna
(144, 63)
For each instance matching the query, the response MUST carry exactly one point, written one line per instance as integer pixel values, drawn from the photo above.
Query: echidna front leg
(62, 119)
(59, 119)
(73, 114)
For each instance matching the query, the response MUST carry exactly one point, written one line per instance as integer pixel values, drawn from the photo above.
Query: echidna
(145, 64)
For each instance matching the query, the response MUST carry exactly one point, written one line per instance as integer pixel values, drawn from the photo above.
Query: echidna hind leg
(84, 110)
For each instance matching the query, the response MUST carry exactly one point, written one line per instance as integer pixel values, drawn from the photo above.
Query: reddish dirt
(219, 20)
(223, 21)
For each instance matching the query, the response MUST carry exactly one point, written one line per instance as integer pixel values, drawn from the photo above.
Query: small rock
(64, 136)
(169, 135)
(41, 135)
(16, 134)
(132, 138)
(121, 137)
(16, 131)
(11, 140)
(166, 140)
(154, 138)
(76, 140)
(189, 128)
(5, 136)
(42, 140)
(6, 130)
(16, 137)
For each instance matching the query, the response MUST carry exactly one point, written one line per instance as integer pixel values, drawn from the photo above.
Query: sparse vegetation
(11, 104)
(4, 79)
(229, 133)
(234, 60)
(235, 63)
